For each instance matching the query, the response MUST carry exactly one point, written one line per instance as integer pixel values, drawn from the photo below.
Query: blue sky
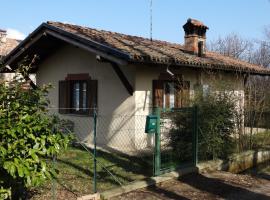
(246, 17)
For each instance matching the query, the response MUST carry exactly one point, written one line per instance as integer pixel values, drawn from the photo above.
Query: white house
(123, 76)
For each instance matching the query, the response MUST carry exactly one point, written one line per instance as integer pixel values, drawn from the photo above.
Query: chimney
(195, 37)
(3, 36)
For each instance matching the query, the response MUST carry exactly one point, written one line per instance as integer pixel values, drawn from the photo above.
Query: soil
(215, 185)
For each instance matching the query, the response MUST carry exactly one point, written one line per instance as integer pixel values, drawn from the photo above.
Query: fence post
(95, 151)
(195, 135)
(157, 144)
(53, 180)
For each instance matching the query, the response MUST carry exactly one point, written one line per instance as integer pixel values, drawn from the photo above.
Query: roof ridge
(137, 49)
(144, 49)
(118, 33)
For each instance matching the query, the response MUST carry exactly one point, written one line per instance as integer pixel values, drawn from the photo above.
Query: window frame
(81, 110)
(66, 95)
(181, 86)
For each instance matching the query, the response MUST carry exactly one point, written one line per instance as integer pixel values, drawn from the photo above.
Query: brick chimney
(195, 37)
(3, 36)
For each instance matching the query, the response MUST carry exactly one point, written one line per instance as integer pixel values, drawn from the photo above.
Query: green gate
(175, 139)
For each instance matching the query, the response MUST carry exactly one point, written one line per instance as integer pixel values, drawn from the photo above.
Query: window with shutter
(171, 93)
(77, 95)
(158, 93)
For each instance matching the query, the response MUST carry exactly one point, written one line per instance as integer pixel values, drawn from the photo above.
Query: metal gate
(175, 139)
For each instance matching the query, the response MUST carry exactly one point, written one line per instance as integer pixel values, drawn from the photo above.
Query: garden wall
(237, 162)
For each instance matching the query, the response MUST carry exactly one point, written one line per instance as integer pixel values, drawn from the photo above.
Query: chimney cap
(195, 22)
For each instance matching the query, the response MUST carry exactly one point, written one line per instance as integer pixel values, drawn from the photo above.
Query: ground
(75, 174)
(216, 185)
(75, 168)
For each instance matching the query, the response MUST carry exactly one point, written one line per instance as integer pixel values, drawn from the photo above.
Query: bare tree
(261, 55)
(232, 45)
(257, 95)
(253, 51)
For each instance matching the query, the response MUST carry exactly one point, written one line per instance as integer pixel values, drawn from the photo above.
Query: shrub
(180, 135)
(216, 124)
(27, 135)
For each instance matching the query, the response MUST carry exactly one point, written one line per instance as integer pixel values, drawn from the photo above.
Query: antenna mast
(151, 19)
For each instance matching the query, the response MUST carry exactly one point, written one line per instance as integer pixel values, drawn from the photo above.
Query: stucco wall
(114, 102)
(121, 120)
(143, 92)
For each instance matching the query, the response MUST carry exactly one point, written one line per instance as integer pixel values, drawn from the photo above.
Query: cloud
(15, 34)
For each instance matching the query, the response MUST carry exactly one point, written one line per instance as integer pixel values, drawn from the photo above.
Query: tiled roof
(144, 50)
(7, 46)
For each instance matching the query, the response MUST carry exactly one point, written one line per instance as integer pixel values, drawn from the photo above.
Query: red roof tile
(156, 51)
(7, 46)
(144, 50)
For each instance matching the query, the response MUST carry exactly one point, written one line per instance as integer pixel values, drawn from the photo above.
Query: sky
(245, 17)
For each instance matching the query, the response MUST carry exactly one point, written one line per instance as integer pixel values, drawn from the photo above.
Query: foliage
(27, 134)
(216, 122)
(4, 193)
(180, 134)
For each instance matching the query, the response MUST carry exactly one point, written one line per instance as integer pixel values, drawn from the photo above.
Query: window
(205, 90)
(77, 94)
(171, 93)
(79, 97)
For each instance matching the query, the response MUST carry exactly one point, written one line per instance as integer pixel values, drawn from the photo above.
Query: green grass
(261, 140)
(75, 176)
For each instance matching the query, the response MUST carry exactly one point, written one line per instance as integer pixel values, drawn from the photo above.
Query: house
(123, 76)
(6, 45)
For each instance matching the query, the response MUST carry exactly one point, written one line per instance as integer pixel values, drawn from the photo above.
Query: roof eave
(205, 66)
(92, 46)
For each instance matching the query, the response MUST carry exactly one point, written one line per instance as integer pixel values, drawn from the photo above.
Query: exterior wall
(143, 93)
(113, 100)
(121, 120)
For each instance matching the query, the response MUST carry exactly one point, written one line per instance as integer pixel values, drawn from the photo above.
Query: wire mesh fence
(125, 153)
(178, 138)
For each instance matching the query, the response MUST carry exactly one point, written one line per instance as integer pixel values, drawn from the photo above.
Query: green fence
(113, 150)
(176, 139)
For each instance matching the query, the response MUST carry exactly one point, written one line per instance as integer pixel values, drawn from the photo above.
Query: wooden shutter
(182, 94)
(185, 94)
(92, 91)
(158, 92)
(64, 97)
(177, 95)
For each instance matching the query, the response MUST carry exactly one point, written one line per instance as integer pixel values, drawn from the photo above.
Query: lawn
(75, 177)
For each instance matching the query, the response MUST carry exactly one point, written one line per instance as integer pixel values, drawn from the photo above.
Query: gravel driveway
(216, 185)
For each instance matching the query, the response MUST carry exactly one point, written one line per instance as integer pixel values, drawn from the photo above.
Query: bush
(216, 124)
(27, 135)
(180, 135)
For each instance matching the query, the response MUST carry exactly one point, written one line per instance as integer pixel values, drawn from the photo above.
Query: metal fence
(177, 139)
(113, 150)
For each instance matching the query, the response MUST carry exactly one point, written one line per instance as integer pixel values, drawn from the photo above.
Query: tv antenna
(151, 19)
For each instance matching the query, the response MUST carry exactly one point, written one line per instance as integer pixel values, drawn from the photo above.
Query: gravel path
(216, 185)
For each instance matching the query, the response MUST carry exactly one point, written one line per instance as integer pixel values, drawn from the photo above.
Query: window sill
(77, 115)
